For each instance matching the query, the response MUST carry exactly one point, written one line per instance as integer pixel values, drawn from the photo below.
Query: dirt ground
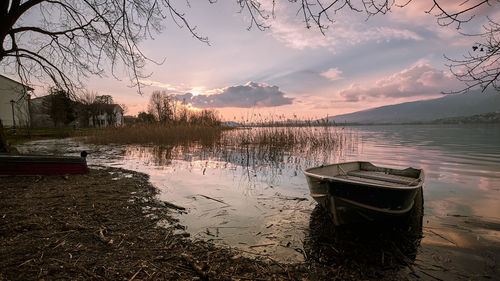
(108, 225)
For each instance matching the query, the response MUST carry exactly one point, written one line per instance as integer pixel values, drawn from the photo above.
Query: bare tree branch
(481, 67)
(74, 39)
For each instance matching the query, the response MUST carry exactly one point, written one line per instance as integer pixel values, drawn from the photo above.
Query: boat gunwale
(31, 158)
(348, 181)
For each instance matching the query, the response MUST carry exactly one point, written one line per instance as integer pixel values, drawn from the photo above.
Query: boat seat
(368, 181)
(384, 177)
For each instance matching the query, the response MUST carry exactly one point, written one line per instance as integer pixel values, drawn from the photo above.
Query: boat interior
(366, 172)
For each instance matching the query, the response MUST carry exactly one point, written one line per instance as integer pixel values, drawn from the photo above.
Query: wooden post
(13, 117)
(3, 140)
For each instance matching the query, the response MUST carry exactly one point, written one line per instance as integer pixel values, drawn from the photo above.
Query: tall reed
(309, 139)
(296, 138)
(156, 133)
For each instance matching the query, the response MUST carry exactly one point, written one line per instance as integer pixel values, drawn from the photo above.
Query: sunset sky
(295, 71)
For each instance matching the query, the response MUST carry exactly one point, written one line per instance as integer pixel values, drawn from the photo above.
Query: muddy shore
(107, 224)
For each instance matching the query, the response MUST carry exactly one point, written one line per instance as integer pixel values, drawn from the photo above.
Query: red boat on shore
(42, 164)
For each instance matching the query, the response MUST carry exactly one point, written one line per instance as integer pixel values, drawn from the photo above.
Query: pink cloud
(416, 8)
(420, 80)
(346, 31)
(332, 74)
(423, 13)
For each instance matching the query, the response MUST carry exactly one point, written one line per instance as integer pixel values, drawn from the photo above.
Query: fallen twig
(105, 239)
(133, 276)
(216, 200)
(25, 262)
(203, 275)
(443, 237)
(88, 272)
(261, 245)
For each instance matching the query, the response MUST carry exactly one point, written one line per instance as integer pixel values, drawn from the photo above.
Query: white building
(95, 115)
(14, 103)
(107, 115)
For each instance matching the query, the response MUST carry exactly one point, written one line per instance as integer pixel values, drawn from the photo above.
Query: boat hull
(42, 165)
(350, 201)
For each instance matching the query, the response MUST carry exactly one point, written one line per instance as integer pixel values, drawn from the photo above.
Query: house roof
(21, 84)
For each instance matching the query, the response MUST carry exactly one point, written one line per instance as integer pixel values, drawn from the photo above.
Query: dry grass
(158, 134)
(263, 142)
(279, 137)
(293, 139)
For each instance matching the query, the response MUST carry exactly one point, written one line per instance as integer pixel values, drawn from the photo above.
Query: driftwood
(173, 206)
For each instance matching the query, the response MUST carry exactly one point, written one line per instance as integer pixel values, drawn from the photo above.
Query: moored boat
(42, 164)
(360, 191)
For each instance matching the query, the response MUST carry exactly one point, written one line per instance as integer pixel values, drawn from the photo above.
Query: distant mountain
(231, 124)
(492, 117)
(456, 105)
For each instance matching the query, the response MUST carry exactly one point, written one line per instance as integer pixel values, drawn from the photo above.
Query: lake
(258, 200)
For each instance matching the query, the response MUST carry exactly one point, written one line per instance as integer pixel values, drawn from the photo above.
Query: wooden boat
(42, 164)
(360, 191)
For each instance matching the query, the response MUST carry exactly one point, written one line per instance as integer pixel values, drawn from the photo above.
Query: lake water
(258, 201)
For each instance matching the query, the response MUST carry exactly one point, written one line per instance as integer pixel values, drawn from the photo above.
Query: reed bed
(294, 139)
(157, 134)
(265, 143)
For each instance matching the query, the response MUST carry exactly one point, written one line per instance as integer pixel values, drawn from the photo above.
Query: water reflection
(384, 244)
(258, 184)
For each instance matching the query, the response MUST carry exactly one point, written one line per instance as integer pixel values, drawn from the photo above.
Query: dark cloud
(251, 94)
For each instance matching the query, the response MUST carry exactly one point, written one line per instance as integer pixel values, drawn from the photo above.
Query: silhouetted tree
(88, 109)
(64, 40)
(93, 105)
(60, 107)
(145, 117)
(104, 99)
(161, 106)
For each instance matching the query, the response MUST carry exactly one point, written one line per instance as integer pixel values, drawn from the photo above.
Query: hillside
(472, 103)
(492, 117)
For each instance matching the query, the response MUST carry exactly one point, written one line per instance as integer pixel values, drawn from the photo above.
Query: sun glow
(196, 91)
(191, 108)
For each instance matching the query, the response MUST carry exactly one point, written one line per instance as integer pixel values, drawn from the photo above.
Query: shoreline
(104, 225)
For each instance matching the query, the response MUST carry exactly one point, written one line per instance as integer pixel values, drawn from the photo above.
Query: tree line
(164, 108)
(63, 109)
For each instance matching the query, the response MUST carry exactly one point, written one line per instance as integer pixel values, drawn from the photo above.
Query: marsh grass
(266, 143)
(157, 134)
(294, 139)
(310, 137)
